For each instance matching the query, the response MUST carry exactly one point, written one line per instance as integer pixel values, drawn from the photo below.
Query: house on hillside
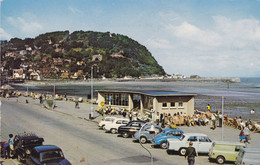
(117, 55)
(18, 74)
(97, 57)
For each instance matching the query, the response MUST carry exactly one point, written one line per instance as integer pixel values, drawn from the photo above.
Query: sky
(209, 38)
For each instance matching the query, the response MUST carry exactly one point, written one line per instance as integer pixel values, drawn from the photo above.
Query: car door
(204, 144)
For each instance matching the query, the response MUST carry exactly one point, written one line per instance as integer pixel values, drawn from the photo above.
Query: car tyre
(125, 135)
(220, 160)
(163, 145)
(113, 130)
(19, 158)
(143, 140)
(182, 151)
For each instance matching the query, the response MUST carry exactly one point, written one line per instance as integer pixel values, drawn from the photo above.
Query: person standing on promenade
(11, 142)
(220, 119)
(247, 134)
(191, 153)
(157, 118)
(6, 150)
(213, 120)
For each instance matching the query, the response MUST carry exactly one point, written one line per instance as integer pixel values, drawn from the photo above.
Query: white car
(113, 126)
(201, 143)
(102, 123)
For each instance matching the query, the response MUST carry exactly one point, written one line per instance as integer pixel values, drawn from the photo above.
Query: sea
(235, 99)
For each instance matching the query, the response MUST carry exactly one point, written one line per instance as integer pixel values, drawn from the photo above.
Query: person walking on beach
(191, 153)
(208, 107)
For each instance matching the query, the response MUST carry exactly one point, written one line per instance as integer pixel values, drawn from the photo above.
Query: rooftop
(151, 92)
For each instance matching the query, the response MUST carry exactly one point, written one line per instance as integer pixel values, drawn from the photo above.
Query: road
(81, 141)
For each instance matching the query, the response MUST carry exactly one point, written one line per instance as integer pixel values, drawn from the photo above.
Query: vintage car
(47, 155)
(113, 126)
(24, 143)
(131, 128)
(222, 151)
(201, 143)
(144, 135)
(102, 123)
(161, 138)
(248, 156)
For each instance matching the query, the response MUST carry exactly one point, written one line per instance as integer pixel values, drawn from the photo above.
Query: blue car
(161, 138)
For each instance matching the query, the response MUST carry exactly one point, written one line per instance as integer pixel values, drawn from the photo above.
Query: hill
(63, 55)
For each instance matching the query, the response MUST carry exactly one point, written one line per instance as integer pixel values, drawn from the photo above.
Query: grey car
(144, 135)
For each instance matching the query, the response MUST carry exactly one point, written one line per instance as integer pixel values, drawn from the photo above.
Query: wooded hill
(58, 52)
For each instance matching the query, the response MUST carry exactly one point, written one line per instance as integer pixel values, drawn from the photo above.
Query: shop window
(172, 104)
(180, 104)
(164, 104)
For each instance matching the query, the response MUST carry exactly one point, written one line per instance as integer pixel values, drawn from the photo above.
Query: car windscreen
(51, 155)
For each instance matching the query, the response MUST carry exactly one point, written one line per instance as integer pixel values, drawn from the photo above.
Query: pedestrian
(241, 135)
(163, 120)
(11, 143)
(161, 117)
(6, 150)
(65, 96)
(130, 116)
(124, 113)
(76, 104)
(247, 134)
(157, 118)
(213, 120)
(40, 99)
(220, 119)
(208, 107)
(191, 153)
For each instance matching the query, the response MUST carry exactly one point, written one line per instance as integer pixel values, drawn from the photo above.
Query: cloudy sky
(210, 38)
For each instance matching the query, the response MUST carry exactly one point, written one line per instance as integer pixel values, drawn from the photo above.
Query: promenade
(67, 108)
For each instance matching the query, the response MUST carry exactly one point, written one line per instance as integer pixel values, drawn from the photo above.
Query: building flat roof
(151, 92)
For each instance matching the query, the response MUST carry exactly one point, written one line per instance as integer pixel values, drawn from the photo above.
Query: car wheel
(182, 151)
(163, 145)
(113, 130)
(19, 158)
(125, 135)
(220, 159)
(143, 140)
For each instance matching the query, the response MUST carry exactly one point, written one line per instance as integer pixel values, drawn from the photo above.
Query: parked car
(161, 138)
(24, 143)
(248, 156)
(131, 128)
(201, 143)
(113, 126)
(221, 151)
(144, 135)
(102, 123)
(47, 155)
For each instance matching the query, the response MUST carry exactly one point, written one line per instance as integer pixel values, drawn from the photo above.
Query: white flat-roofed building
(145, 101)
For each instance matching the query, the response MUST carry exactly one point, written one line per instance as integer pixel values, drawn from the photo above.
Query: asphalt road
(81, 141)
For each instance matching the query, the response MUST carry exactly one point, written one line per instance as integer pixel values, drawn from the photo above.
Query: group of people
(8, 147)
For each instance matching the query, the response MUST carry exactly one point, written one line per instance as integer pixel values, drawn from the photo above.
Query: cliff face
(57, 53)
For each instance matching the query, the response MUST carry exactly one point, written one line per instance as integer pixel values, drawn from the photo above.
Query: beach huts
(146, 101)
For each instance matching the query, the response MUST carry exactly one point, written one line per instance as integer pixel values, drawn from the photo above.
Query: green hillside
(115, 55)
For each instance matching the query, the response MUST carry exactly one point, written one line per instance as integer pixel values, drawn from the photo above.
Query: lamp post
(152, 130)
(92, 93)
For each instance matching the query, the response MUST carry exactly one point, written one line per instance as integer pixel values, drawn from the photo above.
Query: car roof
(27, 136)
(230, 143)
(171, 129)
(121, 119)
(137, 121)
(46, 148)
(195, 134)
(251, 149)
